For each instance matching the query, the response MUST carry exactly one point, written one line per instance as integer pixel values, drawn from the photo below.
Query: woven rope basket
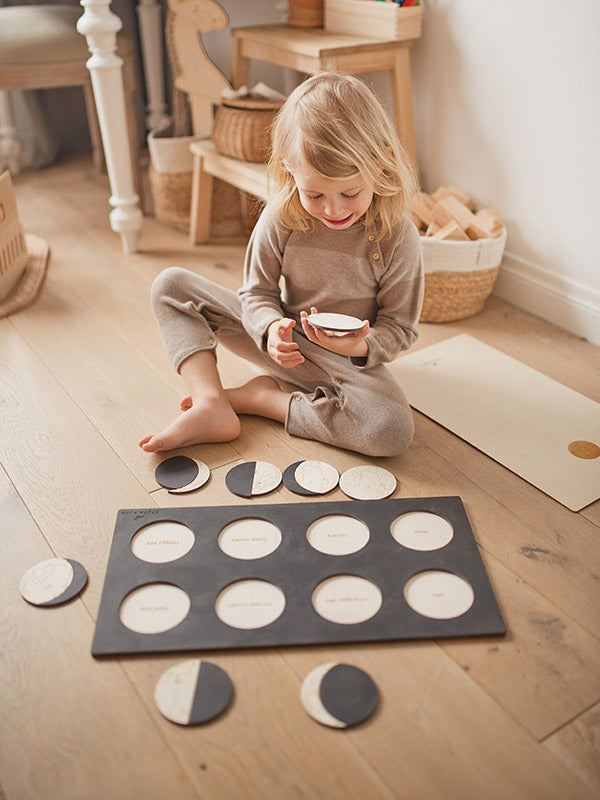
(459, 276)
(242, 128)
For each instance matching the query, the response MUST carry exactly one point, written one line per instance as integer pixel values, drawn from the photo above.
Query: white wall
(507, 107)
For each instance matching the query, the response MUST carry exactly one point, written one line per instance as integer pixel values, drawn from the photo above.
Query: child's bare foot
(260, 396)
(186, 402)
(207, 420)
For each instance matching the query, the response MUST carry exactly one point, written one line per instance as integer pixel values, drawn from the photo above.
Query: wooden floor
(83, 376)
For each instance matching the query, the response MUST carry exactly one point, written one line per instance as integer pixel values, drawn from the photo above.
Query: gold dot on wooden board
(583, 449)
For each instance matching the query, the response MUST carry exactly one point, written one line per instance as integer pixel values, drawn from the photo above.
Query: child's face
(337, 204)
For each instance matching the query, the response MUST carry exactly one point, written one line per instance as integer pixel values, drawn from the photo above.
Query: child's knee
(167, 285)
(390, 432)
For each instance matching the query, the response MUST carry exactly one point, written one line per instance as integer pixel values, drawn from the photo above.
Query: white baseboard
(564, 302)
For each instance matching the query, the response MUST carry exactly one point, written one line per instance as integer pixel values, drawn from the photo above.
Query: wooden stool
(40, 48)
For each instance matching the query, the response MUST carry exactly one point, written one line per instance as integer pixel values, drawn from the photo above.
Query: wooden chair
(40, 48)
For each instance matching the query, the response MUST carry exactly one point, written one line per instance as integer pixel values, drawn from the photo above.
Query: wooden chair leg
(201, 202)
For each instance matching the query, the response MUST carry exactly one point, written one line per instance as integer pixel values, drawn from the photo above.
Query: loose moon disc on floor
(316, 476)
(198, 482)
(253, 478)
(193, 692)
(175, 472)
(290, 482)
(53, 582)
(439, 594)
(367, 483)
(339, 695)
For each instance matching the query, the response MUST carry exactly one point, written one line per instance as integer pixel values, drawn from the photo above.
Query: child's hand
(352, 345)
(280, 346)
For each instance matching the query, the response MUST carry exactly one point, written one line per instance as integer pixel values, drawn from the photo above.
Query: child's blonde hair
(335, 125)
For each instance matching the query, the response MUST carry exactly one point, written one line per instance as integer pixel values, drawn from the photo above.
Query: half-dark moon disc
(193, 692)
(252, 478)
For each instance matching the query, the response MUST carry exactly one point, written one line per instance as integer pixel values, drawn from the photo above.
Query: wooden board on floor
(544, 431)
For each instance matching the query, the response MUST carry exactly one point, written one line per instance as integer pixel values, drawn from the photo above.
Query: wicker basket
(242, 128)
(459, 276)
(13, 251)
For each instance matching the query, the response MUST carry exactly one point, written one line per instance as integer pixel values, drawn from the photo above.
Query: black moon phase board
(175, 472)
(193, 692)
(269, 575)
(339, 695)
(53, 582)
(253, 478)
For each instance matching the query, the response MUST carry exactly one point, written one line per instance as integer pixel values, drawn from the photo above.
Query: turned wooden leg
(99, 26)
(201, 206)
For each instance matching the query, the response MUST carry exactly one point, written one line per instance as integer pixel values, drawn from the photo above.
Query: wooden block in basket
(370, 19)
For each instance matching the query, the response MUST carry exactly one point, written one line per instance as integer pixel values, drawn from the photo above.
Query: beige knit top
(345, 271)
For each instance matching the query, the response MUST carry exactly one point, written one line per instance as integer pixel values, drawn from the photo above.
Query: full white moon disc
(154, 608)
(338, 323)
(367, 482)
(316, 476)
(249, 604)
(347, 599)
(439, 594)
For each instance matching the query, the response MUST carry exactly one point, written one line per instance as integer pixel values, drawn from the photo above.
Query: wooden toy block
(451, 208)
(441, 215)
(422, 205)
(418, 223)
(432, 229)
(464, 198)
(451, 232)
(488, 220)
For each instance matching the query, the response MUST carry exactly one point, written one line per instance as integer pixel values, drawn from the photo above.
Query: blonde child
(332, 238)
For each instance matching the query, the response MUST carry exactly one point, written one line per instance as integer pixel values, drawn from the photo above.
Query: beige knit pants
(337, 402)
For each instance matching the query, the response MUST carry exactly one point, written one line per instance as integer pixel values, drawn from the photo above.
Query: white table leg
(151, 27)
(99, 26)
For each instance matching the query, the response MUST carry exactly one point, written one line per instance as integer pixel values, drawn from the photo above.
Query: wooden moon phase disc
(193, 692)
(338, 323)
(175, 472)
(53, 581)
(290, 482)
(367, 483)
(339, 695)
(316, 476)
(439, 594)
(252, 478)
(197, 483)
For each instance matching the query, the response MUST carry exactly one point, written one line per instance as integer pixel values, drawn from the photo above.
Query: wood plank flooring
(83, 376)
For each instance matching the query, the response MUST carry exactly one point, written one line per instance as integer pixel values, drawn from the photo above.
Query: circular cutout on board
(53, 582)
(197, 483)
(367, 483)
(422, 530)
(340, 324)
(250, 603)
(253, 478)
(339, 695)
(175, 472)
(154, 608)
(249, 538)
(347, 599)
(193, 692)
(439, 594)
(338, 535)
(317, 477)
(162, 542)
